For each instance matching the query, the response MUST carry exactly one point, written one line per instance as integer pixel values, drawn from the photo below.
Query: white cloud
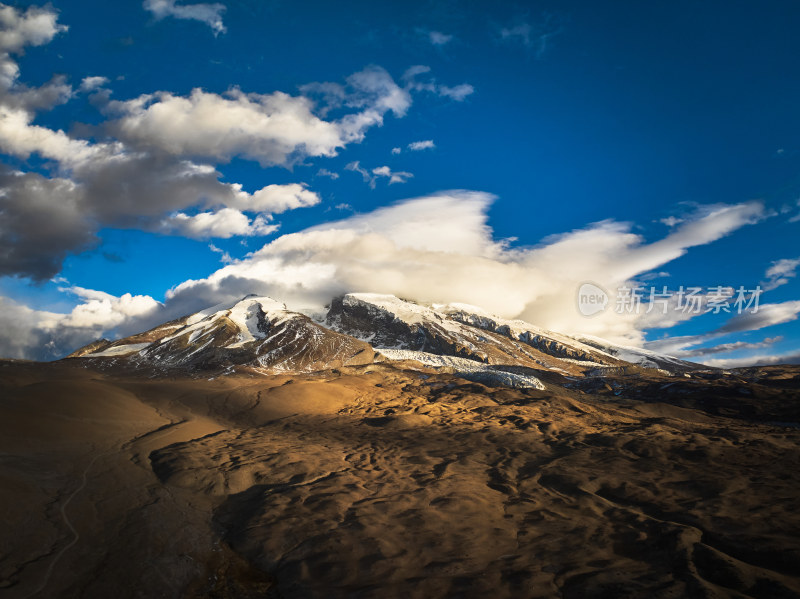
(371, 177)
(224, 256)
(34, 27)
(535, 37)
(223, 223)
(412, 79)
(458, 93)
(766, 316)
(755, 360)
(724, 348)
(105, 311)
(374, 89)
(521, 32)
(780, 272)
(39, 334)
(393, 176)
(323, 172)
(157, 168)
(416, 146)
(92, 83)
(21, 138)
(671, 221)
(273, 129)
(440, 248)
(274, 199)
(437, 38)
(356, 167)
(210, 14)
(396, 151)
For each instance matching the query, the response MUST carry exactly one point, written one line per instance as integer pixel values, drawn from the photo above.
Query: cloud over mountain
(153, 164)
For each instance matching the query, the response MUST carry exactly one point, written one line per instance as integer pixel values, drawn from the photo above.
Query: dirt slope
(378, 482)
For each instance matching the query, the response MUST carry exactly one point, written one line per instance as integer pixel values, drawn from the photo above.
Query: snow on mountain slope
(261, 332)
(554, 344)
(584, 347)
(390, 323)
(458, 330)
(465, 331)
(256, 331)
(469, 369)
(640, 356)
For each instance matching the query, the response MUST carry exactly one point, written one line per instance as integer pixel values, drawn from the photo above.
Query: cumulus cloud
(92, 83)
(272, 129)
(223, 223)
(274, 199)
(416, 146)
(154, 164)
(100, 310)
(210, 14)
(36, 233)
(371, 91)
(42, 335)
(33, 27)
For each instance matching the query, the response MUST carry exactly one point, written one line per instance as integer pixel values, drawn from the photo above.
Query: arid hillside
(380, 481)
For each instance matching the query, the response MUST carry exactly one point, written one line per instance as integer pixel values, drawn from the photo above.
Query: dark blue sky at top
(632, 111)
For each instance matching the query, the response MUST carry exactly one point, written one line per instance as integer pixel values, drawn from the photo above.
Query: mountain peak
(361, 328)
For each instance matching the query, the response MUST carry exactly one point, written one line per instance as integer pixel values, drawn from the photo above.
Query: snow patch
(465, 367)
(118, 350)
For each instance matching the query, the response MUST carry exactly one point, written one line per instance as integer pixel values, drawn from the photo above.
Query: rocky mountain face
(255, 331)
(362, 328)
(454, 330)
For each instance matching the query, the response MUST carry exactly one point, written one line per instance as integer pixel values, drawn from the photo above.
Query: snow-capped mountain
(256, 331)
(362, 328)
(393, 325)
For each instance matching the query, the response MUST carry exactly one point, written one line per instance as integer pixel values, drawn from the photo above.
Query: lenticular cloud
(440, 248)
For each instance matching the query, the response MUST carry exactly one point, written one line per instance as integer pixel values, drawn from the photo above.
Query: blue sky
(646, 143)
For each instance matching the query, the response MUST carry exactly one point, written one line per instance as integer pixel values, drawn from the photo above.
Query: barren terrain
(379, 481)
